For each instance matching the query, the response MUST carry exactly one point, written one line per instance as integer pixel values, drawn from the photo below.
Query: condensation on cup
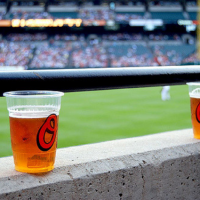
(33, 119)
(194, 92)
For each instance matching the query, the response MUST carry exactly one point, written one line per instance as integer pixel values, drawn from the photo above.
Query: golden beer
(195, 116)
(34, 142)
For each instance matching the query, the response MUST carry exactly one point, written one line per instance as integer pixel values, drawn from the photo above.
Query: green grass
(89, 117)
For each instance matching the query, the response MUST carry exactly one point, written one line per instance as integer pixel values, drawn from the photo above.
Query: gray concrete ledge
(160, 166)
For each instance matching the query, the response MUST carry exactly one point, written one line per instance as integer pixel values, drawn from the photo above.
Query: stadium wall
(159, 166)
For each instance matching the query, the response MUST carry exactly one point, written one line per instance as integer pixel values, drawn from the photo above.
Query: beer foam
(32, 111)
(195, 93)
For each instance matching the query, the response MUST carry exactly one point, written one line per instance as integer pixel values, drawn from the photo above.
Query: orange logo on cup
(50, 126)
(198, 113)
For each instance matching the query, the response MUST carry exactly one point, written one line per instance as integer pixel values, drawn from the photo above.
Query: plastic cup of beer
(194, 92)
(33, 119)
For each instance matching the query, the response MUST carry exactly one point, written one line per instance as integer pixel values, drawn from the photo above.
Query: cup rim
(193, 83)
(33, 94)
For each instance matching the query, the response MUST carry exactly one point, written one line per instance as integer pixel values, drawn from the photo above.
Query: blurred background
(101, 33)
(66, 34)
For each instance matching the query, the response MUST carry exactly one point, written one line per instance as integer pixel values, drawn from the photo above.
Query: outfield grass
(89, 117)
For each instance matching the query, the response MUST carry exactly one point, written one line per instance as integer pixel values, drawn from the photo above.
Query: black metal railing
(71, 80)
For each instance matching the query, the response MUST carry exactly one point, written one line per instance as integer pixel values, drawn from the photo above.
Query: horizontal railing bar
(72, 80)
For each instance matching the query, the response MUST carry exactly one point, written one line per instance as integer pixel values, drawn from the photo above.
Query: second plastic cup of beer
(34, 128)
(194, 92)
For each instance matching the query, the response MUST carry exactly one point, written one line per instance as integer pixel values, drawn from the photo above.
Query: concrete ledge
(160, 166)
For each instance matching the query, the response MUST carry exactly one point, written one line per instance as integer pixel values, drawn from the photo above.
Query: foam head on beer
(33, 117)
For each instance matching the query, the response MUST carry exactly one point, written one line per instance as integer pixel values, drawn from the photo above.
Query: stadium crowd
(122, 36)
(85, 14)
(126, 17)
(15, 54)
(158, 37)
(134, 60)
(89, 55)
(27, 37)
(164, 3)
(51, 56)
(29, 15)
(166, 58)
(192, 59)
(101, 14)
(72, 37)
(61, 51)
(107, 11)
(41, 50)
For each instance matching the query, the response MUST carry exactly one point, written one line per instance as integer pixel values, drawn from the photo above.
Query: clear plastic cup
(194, 92)
(34, 128)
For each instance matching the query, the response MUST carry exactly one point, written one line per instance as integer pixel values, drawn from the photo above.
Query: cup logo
(50, 126)
(198, 113)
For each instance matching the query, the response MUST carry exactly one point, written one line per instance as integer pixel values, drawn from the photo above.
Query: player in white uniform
(165, 95)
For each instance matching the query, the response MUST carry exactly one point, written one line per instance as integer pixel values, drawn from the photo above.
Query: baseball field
(90, 117)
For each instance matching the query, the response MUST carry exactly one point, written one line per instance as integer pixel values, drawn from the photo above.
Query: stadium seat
(167, 16)
(193, 15)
